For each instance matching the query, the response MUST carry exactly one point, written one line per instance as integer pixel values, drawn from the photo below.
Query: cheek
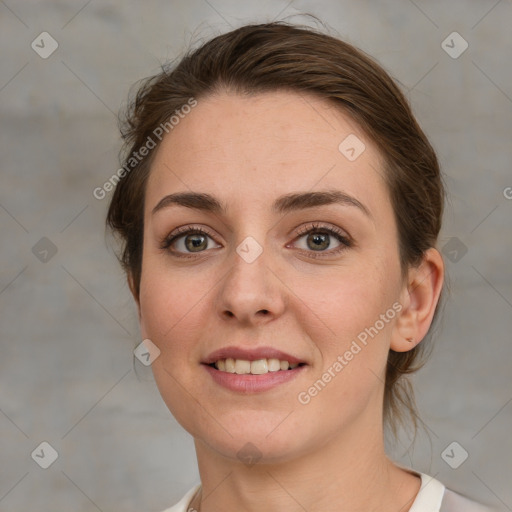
(349, 318)
(352, 343)
(167, 304)
(177, 313)
(170, 306)
(347, 301)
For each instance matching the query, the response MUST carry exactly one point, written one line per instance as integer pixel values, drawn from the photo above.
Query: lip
(248, 383)
(251, 355)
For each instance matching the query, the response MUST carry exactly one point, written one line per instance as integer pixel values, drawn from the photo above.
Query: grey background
(68, 325)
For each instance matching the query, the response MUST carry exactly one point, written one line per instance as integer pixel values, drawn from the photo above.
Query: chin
(251, 450)
(255, 436)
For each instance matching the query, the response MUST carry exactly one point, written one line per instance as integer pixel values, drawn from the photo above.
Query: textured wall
(68, 326)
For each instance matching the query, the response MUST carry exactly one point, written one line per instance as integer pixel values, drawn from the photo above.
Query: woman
(279, 208)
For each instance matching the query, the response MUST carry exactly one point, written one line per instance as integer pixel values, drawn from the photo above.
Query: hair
(281, 56)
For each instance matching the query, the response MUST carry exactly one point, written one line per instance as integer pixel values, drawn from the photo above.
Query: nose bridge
(250, 250)
(250, 285)
(249, 268)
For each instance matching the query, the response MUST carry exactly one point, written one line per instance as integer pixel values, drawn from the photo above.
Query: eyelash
(345, 241)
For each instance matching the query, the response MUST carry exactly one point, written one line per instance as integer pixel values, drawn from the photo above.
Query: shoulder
(433, 496)
(183, 504)
(455, 502)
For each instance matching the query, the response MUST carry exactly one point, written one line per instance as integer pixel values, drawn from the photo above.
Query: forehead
(248, 147)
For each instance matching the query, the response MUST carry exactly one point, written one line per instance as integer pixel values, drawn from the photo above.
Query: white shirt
(433, 496)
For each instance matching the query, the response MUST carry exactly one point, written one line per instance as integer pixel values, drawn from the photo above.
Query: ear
(419, 298)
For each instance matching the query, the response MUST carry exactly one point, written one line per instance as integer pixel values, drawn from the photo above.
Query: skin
(247, 151)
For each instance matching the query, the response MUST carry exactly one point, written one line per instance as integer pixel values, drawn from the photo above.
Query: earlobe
(419, 299)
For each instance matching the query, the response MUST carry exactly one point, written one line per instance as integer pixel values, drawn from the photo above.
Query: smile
(248, 382)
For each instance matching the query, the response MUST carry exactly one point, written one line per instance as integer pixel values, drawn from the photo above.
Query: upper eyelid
(321, 225)
(304, 229)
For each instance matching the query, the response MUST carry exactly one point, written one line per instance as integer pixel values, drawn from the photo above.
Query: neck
(350, 471)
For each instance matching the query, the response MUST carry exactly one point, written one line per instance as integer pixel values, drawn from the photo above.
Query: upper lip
(252, 354)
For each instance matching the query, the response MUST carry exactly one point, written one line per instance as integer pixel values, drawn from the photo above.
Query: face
(312, 278)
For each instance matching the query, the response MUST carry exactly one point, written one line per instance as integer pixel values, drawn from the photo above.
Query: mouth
(249, 377)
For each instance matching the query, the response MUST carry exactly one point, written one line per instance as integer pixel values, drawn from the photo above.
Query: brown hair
(279, 55)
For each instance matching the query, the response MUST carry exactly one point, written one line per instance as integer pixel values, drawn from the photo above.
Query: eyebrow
(284, 204)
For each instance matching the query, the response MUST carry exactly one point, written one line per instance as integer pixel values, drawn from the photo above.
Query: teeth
(230, 365)
(242, 366)
(257, 367)
(273, 365)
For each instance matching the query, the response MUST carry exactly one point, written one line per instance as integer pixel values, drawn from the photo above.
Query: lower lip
(249, 383)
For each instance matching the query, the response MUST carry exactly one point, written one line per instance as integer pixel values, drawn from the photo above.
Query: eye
(187, 239)
(317, 240)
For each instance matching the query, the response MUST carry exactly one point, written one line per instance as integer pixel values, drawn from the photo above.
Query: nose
(251, 291)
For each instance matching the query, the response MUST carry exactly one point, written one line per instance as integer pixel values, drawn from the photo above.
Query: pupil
(197, 241)
(318, 239)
